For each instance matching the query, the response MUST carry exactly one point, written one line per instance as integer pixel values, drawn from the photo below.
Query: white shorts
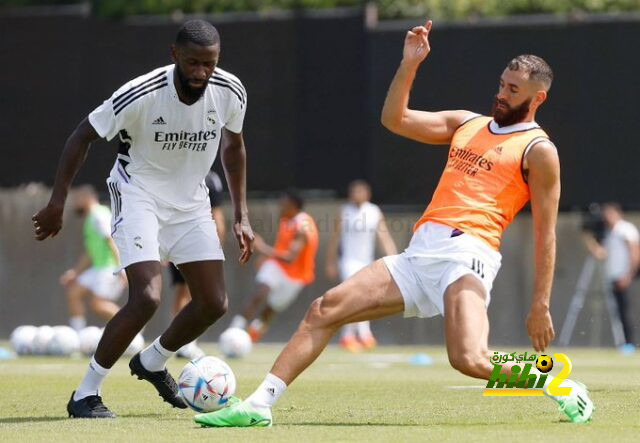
(102, 282)
(284, 289)
(145, 229)
(347, 268)
(433, 261)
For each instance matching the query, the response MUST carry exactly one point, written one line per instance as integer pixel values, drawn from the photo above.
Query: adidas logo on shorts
(159, 121)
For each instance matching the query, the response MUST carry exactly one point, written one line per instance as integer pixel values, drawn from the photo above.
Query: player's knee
(95, 303)
(468, 363)
(146, 300)
(212, 307)
(322, 312)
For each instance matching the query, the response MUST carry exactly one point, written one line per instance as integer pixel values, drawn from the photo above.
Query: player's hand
(244, 235)
(623, 283)
(416, 44)
(48, 221)
(68, 277)
(540, 328)
(331, 271)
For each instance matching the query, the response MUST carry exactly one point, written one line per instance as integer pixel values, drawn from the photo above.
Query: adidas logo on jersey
(159, 121)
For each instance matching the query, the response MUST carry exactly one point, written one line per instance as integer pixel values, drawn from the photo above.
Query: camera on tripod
(593, 222)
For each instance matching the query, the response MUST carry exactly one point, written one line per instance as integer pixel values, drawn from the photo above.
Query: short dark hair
(538, 69)
(200, 32)
(294, 197)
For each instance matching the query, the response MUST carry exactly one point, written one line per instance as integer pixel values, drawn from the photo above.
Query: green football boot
(577, 406)
(240, 415)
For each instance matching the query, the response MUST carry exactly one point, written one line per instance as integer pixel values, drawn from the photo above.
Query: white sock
(154, 357)
(78, 322)
(364, 329)
(238, 321)
(90, 384)
(348, 330)
(268, 392)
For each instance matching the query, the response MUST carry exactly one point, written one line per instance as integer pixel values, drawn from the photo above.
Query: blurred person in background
(95, 274)
(351, 247)
(620, 250)
(288, 268)
(182, 296)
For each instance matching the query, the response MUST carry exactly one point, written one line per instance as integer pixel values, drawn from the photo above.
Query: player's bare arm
(543, 169)
(48, 221)
(331, 266)
(297, 244)
(385, 240)
(234, 161)
(434, 128)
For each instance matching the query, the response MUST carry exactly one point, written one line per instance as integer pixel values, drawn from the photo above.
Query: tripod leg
(577, 300)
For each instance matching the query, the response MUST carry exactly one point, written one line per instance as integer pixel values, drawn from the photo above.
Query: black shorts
(176, 276)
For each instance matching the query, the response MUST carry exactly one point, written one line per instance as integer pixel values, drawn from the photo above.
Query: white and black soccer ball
(235, 343)
(206, 384)
(65, 341)
(44, 334)
(22, 339)
(89, 339)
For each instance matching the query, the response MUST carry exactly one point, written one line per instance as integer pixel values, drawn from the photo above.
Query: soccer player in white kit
(171, 122)
(351, 247)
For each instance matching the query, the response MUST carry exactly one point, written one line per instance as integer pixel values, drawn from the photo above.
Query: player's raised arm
(434, 128)
(48, 221)
(544, 183)
(234, 161)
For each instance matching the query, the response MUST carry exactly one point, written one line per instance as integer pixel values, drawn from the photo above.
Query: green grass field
(372, 396)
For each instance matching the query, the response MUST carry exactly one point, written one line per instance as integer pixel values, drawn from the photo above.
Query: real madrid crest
(211, 116)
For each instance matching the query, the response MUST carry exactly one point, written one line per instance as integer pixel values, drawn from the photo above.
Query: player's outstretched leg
(144, 296)
(208, 303)
(467, 335)
(368, 295)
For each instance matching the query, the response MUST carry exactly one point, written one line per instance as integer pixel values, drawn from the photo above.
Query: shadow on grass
(16, 420)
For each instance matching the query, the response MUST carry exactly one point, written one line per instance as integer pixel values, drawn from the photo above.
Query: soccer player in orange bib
(496, 165)
(289, 266)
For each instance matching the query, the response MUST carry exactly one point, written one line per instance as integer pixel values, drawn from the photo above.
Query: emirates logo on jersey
(211, 116)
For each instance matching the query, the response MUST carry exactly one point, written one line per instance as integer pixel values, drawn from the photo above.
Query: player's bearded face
(506, 115)
(186, 88)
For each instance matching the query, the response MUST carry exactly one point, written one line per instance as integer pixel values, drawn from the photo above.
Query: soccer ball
(135, 346)
(22, 339)
(41, 340)
(235, 343)
(206, 384)
(65, 341)
(89, 339)
(544, 363)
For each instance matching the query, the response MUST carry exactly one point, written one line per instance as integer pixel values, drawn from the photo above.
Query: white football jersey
(167, 147)
(359, 228)
(616, 241)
